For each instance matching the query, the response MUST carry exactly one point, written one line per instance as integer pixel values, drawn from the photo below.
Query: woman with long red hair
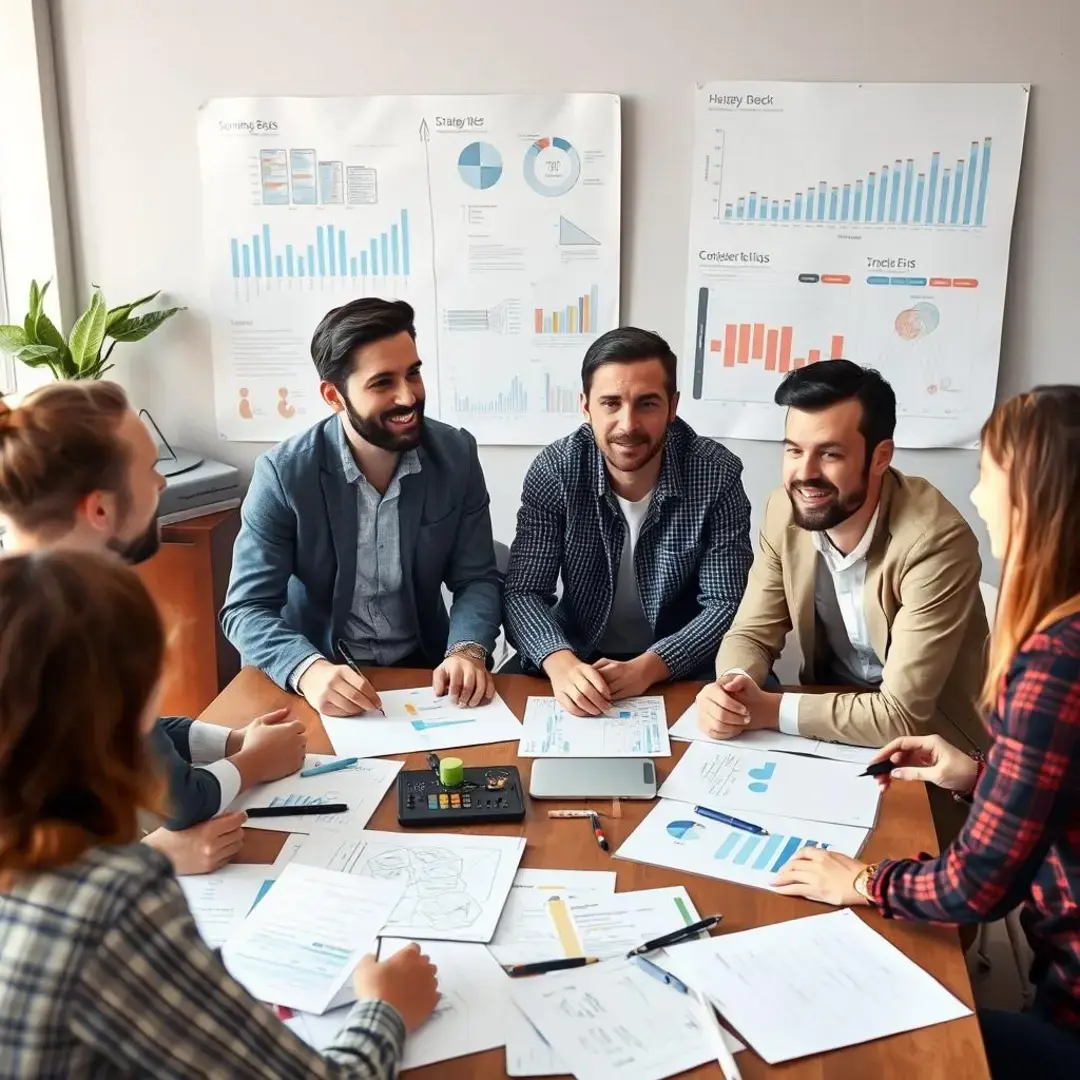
(1021, 843)
(102, 972)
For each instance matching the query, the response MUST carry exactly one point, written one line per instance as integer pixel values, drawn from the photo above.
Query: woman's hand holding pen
(337, 690)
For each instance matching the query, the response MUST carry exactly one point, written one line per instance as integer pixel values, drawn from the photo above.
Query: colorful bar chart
(334, 254)
(576, 318)
(770, 347)
(760, 852)
(513, 400)
(905, 194)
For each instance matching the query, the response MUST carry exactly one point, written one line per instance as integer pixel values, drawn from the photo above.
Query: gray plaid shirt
(103, 975)
(691, 561)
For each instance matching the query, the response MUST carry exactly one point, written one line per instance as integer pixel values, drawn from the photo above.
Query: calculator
(484, 794)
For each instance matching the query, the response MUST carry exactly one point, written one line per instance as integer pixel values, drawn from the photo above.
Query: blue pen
(330, 766)
(727, 819)
(658, 972)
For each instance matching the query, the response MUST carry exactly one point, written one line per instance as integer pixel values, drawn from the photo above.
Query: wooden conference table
(952, 1050)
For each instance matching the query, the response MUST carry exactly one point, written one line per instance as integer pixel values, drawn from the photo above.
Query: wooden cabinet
(187, 579)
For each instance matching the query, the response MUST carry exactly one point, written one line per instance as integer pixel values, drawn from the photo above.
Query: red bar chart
(769, 347)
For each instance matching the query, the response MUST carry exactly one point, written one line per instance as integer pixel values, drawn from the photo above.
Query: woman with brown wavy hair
(1021, 843)
(102, 972)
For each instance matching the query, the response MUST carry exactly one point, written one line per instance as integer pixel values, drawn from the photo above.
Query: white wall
(133, 73)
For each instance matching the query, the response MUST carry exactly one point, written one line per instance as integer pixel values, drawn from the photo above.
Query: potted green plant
(38, 343)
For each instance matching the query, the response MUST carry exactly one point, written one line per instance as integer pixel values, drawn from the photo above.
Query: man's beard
(140, 549)
(636, 440)
(831, 513)
(373, 429)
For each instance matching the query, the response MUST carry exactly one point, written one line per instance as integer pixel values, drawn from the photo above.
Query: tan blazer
(923, 609)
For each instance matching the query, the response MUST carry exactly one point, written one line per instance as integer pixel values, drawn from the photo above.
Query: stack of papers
(417, 720)
(300, 944)
(612, 1020)
(452, 886)
(686, 729)
(636, 727)
(748, 782)
(361, 787)
(813, 985)
(220, 901)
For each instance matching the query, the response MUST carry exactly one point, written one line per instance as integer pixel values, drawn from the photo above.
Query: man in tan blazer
(877, 573)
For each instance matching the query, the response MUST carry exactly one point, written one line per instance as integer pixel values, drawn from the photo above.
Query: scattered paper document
(220, 901)
(527, 1051)
(526, 933)
(471, 1016)
(611, 1021)
(752, 782)
(361, 787)
(686, 729)
(672, 835)
(300, 944)
(417, 720)
(828, 981)
(636, 727)
(454, 885)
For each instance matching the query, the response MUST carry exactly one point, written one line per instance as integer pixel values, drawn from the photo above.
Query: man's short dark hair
(628, 345)
(352, 326)
(829, 382)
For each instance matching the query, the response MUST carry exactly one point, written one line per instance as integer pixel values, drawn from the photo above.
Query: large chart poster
(496, 217)
(869, 221)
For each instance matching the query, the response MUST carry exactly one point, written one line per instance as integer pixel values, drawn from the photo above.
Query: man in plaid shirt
(647, 525)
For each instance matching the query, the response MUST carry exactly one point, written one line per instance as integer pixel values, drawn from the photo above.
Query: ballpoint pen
(353, 666)
(724, 1057)
(298, 810)
(601, 839)
(329, 766)
(684, 933)
(727, 819)
(880, 768)
(542, 967)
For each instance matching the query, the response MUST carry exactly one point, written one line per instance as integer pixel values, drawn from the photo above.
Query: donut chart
(552, 166)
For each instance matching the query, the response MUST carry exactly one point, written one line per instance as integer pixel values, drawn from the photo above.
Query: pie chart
(552, 166)
(683, 830)
(480, 165)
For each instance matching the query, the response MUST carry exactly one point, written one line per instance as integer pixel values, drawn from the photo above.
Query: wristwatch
(863, 879)
(470, 649)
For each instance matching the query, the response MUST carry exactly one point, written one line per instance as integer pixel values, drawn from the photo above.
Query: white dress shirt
(206, 743)
(839, 581)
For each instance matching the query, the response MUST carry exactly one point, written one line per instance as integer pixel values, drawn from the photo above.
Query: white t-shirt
(628, 631)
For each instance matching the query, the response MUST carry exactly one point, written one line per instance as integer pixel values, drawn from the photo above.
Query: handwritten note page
(635, 727)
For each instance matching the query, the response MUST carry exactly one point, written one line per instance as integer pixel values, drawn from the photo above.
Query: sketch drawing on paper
(445, 889)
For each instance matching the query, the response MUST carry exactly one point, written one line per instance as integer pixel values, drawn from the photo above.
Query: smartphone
(592, 778)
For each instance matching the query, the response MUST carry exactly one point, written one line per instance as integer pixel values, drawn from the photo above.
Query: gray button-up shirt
(380, 628)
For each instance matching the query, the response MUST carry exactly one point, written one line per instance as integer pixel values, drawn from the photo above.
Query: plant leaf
(30, 330)
(47, 334)
(35, 300)
(142, 325)
(12, 338)
(38, 355)
(118, 314)
(87, 335)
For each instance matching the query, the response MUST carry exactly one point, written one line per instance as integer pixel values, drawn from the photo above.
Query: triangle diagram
(570, 234)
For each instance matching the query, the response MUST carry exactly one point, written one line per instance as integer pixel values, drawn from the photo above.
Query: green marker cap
(451, 771)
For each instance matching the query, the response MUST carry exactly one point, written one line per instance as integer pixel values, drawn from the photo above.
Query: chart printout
(869, 221)
(495, 216)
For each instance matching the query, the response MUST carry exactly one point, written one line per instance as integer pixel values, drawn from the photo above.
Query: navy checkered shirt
(691, 560)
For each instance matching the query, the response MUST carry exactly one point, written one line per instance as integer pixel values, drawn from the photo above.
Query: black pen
(684, 933)
(880, 768)
(542, 967)
(304, 809)
(345, 655)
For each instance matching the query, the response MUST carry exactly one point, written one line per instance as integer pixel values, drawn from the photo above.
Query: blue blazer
(294, 564)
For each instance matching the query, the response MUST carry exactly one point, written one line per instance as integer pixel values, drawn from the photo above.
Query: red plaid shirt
(1021, 842)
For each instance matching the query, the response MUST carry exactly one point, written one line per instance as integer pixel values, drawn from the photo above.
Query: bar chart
(771, 347)
(513, 400)
(934, 192)
(559, 399)
(766, 853)
(331, 253)
(576, 318)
